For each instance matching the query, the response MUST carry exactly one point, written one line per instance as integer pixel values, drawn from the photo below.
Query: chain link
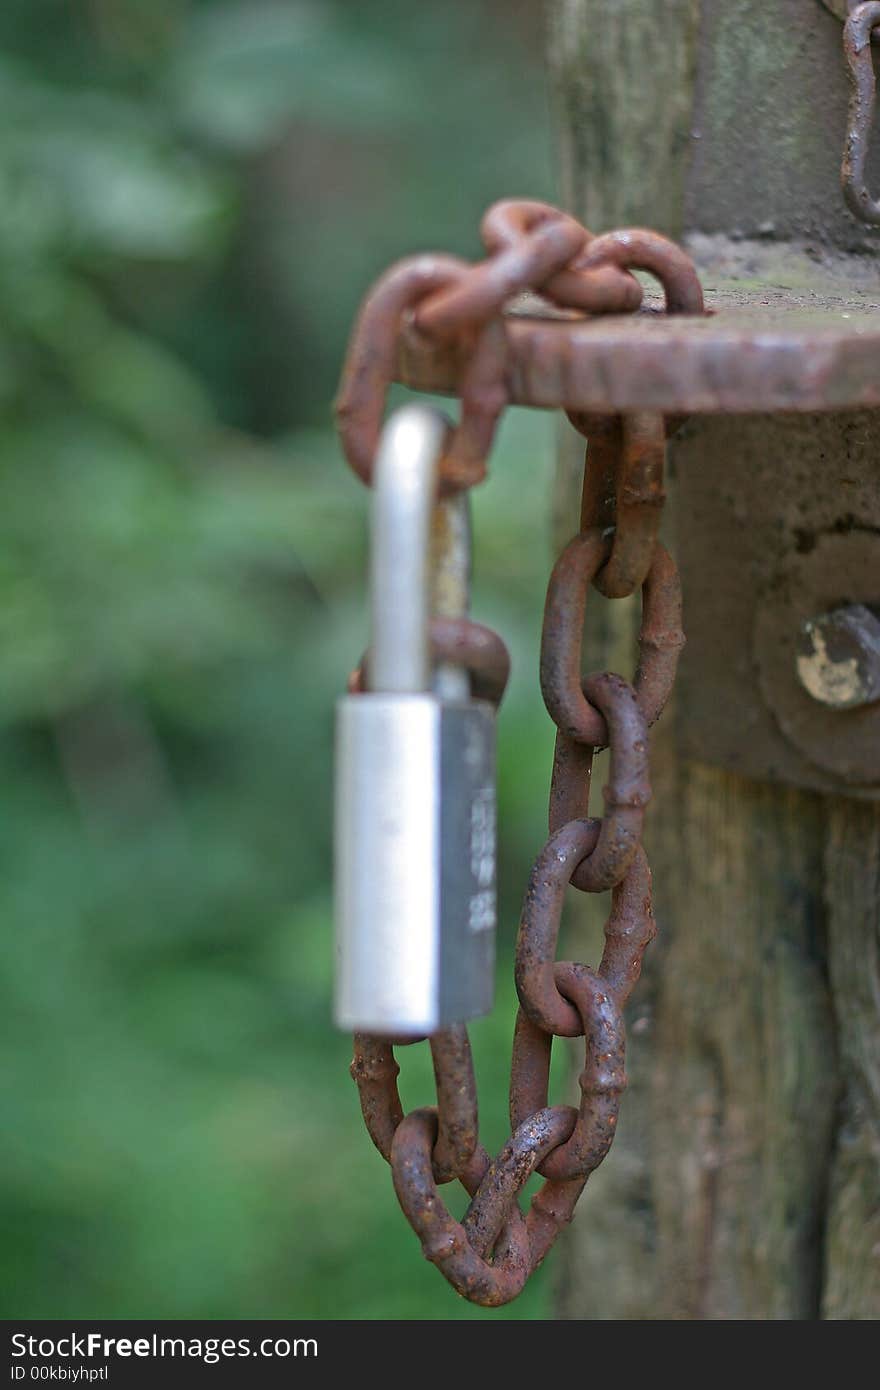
(489, 1255)
(857, 34)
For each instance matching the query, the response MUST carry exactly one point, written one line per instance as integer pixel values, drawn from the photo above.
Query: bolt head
(838, 657)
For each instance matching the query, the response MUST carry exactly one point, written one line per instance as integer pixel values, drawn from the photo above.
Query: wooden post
(745, 1178)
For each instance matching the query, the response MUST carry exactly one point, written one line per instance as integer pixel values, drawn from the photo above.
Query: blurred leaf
(246, 70)
(94, 174)
(191, 203)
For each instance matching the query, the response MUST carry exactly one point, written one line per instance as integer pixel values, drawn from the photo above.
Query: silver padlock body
(415, 862)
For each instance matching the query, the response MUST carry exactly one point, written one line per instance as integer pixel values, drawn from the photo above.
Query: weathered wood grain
(744, 1182)
(852, 892)
(623, 84)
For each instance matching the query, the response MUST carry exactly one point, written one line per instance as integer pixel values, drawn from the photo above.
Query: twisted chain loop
(532, 246)
(489, 1255)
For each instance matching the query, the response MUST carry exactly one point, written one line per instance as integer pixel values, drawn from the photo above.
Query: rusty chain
(489, 1255)
(862, 20)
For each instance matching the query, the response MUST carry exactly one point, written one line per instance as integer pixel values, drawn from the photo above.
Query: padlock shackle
(451, 584)
(405, 486)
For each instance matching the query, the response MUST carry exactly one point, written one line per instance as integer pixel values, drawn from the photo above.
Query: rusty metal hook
(369, 369)
(857, 32)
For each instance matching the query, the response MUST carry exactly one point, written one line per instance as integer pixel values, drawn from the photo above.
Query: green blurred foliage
(194, 197)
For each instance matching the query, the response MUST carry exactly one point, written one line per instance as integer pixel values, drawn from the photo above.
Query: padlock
(415, 783)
